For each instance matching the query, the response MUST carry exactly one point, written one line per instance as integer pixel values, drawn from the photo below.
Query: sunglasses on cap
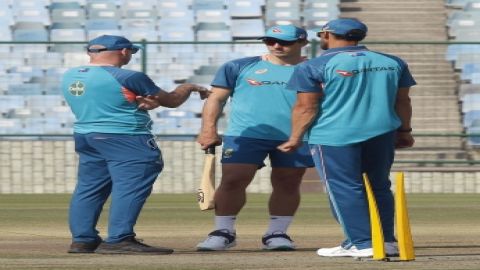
(134, 50)
(273, 41)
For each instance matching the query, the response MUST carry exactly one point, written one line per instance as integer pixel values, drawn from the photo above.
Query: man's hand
(290, 145)
(208, 138)
(147, 103)
(404, 140)
(204, 92)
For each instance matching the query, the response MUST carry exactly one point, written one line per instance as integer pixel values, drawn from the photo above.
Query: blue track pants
(123, 166)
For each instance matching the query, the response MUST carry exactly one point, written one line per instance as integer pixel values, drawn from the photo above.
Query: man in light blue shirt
(259, 122)
(354, 105)
(118, 155)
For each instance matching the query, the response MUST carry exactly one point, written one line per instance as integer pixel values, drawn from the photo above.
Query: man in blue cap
(355, 105)
(118, 155)
(259, 122)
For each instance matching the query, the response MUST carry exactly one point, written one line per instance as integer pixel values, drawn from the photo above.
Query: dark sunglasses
(272, 41)
(134, 50)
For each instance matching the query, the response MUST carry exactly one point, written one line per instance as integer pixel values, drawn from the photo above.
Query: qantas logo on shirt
(346, 73)
(253, 82)
(258, 83)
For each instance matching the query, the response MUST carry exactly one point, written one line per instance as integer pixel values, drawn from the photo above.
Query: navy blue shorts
(254, 151)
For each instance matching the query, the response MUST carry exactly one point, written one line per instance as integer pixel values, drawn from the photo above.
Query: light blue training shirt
(102, 98)
(359, 91)
(260, 103)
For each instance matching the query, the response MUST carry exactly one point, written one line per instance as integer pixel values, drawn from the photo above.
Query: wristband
(404, 130)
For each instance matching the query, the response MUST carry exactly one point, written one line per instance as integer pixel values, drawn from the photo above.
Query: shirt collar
(345, 49)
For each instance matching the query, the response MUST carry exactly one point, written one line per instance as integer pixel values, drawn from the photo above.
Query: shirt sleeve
(226, 75)
(406, 78)
(305, 78)
(141, 84)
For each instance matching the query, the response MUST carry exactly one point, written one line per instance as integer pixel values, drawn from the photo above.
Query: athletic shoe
(218, 240)
(391, 250)
(131, 245)
(278, 241)
(81, 247)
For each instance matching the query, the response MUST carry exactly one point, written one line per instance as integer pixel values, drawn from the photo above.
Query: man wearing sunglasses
(259, 122)
(355, 105)
(117, 153)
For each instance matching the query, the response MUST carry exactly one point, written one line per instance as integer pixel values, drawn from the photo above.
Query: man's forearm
(302, 118)
(403, 109)
(210, 114)
(177, 97)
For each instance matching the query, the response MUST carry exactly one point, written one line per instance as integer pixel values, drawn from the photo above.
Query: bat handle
(210, 150)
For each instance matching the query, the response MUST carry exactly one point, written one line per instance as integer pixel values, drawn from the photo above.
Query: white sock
(225, 223)
(279, 224)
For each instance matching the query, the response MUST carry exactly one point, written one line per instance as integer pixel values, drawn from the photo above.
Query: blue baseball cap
(111, 43)
(285, 32)
(349, 28)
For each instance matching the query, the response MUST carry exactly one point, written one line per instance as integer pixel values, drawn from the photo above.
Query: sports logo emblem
(276, 30)
(254, 82)
(227, 153)
(344, 73)
(261, 71)
(77, 88)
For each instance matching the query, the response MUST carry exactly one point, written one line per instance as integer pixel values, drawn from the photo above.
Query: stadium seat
(31, 13)
(30, 31)
(79, 2)
(314, 18)
(208, 4)
(11, 126)
(469, 117)
(11, 102)
(467, 35)
(173, 4)
(101, 24)
(282, 12)
(67, 32)
(177, 34)
(72, 59)
(466, 58)
(206, 70)
(6, 16)
(471, 102)
(213, 32)
(101, 5)
(140, 14)
(454, 50)
(137, 24)
(176, 18)
(104, 14)
(245, 8)
(212, 16)
(140, 5)
(67, 12)
(25, 89)
(459, 3)
(247, 28)
(468, 70)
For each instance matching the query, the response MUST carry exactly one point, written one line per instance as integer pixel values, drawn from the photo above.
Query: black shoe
(80, 247)
(131, 245)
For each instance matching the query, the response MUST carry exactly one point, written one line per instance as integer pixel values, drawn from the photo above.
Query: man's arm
(212, 109)
(403, 108)
(303, 114)
(171, 99)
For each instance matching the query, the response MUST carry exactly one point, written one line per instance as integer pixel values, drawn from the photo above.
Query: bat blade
(206, 192)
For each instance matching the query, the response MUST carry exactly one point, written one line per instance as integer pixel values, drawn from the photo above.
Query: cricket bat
(207, 184)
